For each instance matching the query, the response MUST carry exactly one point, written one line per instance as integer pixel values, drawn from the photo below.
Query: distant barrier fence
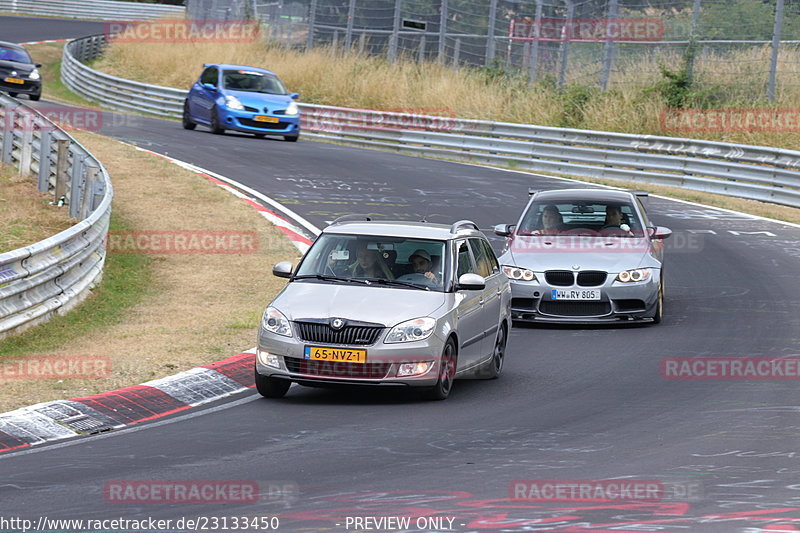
(754, 172)
(52, 275)
(91, 9)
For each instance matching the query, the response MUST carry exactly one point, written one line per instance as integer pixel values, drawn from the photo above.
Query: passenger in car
(369, 264)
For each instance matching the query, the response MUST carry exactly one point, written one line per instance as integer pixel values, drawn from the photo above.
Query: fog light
(269, 359)
(413, 369)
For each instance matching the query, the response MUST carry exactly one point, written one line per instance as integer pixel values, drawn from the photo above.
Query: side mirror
(504, 230)
(283, 269)
(294, 96)
(471, 282)
(37, 65)
(660, 232)
(209, 87)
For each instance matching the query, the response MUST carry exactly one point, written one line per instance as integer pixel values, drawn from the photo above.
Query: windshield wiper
(384, 281)
(329, 278)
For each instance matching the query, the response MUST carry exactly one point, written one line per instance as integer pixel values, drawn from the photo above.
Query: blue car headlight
(233, 103)
(292, 109)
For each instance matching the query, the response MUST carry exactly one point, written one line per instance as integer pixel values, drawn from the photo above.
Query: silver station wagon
(387, 303)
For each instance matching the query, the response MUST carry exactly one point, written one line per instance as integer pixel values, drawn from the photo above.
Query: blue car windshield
(251, 81)
(11, 54)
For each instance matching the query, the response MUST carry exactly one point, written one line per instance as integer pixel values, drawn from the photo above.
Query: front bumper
(245, 122)
(383, 361)
(29, 87)
(532, 302)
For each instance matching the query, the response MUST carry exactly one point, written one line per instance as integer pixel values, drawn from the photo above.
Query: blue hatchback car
(247, 99)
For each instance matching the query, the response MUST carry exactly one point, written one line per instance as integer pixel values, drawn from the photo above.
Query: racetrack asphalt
(574, 403)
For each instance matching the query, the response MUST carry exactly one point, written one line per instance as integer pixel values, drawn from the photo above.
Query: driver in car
(420, 260)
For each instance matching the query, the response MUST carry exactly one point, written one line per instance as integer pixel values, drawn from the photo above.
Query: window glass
(482, 265)
(494, 264)
(209, 76)
(11, 54)
(465, 264)
(415, 261)
(590, 217)
(252, 81)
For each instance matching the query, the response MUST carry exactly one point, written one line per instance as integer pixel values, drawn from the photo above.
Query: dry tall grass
(736, 79)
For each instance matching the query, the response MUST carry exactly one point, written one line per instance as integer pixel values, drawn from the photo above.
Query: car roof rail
(351, 218)
(454, 228)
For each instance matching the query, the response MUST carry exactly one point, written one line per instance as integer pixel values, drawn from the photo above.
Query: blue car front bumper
(248, 122)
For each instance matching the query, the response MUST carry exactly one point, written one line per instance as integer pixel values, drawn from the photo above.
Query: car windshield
(12, 54)
(395, 262)
(251, 81)
(580, 217)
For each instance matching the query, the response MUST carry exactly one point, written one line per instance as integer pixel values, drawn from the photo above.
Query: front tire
(660, 303)
(187, 121)
(12, 95)
(447, 373)
(271, 387)
(494, 366)
(215, 126)
(291, 138)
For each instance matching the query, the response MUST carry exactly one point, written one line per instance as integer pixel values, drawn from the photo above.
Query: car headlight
(637, 274)
(276, 322)
(292, 109)
(34, 75)
(412, 330)
(233, 103)
(518, 273)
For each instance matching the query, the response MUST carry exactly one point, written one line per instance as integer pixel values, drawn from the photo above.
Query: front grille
(560, 278)
(574, 308)
(337, 369)
(250, 123)
(359, 335)
(591, 278)
(251, 109)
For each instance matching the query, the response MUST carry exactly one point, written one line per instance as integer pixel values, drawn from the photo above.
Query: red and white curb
(62, 419)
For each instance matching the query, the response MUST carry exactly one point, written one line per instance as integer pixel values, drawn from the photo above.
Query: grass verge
(154, 315)
(26, 215)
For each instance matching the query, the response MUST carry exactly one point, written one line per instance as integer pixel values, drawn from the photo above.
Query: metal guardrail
(91, 9)
(746, 171)
(54, 274)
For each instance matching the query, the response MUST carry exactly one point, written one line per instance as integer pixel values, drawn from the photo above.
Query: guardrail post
(45, 149)
(87, 198)
(26, 150)
(62, 166)
(8, 135)
(456, 51)
(421, 56)
(76, 182)
(362, 42)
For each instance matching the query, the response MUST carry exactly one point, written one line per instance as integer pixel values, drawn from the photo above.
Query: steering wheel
(416, 277)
